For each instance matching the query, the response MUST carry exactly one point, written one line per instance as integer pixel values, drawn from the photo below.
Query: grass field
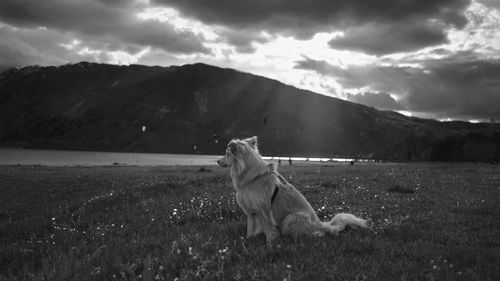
(429, 222)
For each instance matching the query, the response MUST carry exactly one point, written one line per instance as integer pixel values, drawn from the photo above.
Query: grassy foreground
(429, 222)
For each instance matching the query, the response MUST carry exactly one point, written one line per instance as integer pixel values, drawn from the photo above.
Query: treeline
(470, 147)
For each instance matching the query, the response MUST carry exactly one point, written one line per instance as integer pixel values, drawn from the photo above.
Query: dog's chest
(250, 199)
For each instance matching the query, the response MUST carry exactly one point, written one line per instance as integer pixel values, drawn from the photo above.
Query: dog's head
(237, 150)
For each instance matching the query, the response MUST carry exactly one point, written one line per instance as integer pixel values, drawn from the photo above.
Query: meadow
(429, 221)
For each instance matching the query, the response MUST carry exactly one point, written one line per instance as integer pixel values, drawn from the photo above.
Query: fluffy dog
(271, 204)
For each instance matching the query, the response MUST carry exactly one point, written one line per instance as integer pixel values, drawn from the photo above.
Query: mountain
(198, 108)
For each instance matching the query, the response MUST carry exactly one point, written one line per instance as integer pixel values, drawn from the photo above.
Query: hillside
(198, 108)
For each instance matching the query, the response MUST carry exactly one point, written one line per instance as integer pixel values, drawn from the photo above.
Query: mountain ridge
(197, 108)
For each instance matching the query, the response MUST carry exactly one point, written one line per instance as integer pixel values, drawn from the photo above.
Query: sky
(426, 58)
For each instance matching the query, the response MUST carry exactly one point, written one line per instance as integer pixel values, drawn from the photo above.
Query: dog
(271, 204)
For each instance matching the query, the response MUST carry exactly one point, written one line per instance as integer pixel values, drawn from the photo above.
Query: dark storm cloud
(14, 53)
(391, 38)
(382, 101)
(42, 46)
(109, 21)
(25, 46)
(441, 88)
(242, 40)
(408, 23)
(382, 79)
(248, 13)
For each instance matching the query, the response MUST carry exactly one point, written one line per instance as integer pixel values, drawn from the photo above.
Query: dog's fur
(255, 180)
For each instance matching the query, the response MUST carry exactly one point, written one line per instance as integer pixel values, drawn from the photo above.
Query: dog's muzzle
(222, 164)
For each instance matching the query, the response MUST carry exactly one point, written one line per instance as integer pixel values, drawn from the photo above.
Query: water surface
(10, 156)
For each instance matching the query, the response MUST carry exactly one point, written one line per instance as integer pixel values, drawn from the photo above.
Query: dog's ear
(252, 142)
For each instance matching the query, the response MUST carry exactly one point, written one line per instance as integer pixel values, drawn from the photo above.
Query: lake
(10, 156)
(15, 156)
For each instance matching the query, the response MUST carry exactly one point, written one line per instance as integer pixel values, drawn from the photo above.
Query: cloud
(117, 25)
(318, 13)
(242, 40)
(42, 46)
(382, 100)
(495, 4)
(446, 88)
(303, 19)
(469, 89)
(378, 78)
(111, 22)
(381, 39)
(20, 46)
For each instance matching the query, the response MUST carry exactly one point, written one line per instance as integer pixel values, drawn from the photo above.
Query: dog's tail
(341, 220)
